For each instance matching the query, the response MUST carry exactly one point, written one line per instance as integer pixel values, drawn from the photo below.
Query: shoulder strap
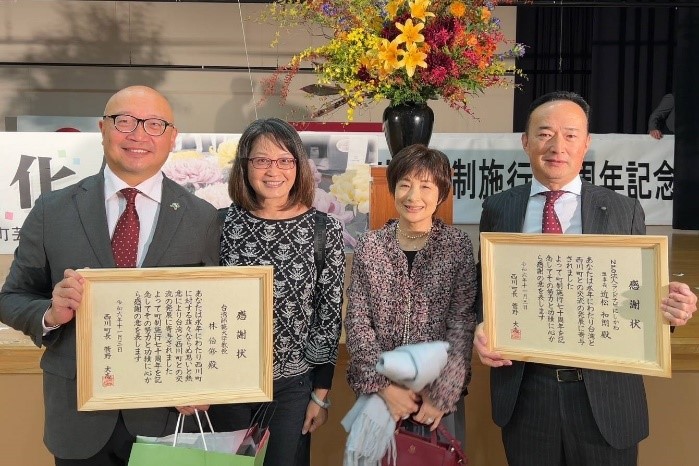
(321, 219)
(222, 214)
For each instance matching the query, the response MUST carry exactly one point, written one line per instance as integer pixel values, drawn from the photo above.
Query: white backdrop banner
(634, 165)
(484, 164)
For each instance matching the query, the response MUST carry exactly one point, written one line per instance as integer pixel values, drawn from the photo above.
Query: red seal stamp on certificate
(108, 380)
(515, 334)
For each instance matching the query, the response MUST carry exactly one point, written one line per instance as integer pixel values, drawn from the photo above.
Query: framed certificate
(174, 336)
(589, 301)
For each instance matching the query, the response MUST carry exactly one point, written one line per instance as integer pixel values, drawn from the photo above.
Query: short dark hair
(281, 132)
(558, 95)
(418, 159)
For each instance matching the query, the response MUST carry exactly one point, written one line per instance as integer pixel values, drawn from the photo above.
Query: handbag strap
(319, 239)
(260, 420)
(179, 427)
(455, 445)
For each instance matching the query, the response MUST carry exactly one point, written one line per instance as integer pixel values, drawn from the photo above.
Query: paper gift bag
(150, 454)
(201, 449)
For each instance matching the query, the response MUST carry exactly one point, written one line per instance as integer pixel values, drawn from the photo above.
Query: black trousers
(553, 425)
(286, 447)
(114, 453)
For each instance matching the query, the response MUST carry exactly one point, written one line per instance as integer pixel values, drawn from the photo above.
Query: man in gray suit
(662, 120)
(551, 415)
(70, 229)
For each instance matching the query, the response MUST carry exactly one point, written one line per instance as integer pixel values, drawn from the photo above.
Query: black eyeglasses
(264, 162)
(128, 124)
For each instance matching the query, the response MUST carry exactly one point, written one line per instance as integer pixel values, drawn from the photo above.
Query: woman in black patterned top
(271, 222)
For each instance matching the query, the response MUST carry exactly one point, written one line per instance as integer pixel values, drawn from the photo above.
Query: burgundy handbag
(413, 449)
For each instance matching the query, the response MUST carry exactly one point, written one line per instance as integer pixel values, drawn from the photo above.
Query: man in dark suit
(70, 229)
(662, 119)
(553, 415)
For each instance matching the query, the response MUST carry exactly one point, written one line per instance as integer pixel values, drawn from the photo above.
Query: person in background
(662, 120)
(552, 415)
(412, 281)
(72, 228)
(271, 222)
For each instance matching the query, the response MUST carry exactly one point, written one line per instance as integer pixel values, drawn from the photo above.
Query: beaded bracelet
(323, 404)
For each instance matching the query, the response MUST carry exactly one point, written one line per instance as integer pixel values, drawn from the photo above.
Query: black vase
(407, 124)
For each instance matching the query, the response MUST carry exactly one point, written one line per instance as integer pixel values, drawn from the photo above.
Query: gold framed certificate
(589, 301)
(157, 337)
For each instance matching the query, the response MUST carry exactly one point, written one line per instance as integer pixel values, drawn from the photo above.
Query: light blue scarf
(369, 424)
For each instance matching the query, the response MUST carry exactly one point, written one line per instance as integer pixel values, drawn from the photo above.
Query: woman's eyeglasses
(264, 162)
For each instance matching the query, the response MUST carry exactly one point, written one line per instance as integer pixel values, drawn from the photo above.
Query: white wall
(122, 39)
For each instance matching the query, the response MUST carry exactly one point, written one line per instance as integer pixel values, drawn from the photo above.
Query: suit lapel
(170, 215)
(593, 210)
(518, 208)
(89, 202)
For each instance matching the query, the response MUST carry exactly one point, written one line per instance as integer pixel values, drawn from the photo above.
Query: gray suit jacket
(663, 117)
(618, 401)
(67, 229)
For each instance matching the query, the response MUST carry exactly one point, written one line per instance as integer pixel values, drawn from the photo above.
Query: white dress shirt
(567, 207)
(147, 206)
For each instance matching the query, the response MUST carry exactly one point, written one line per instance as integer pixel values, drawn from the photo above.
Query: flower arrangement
(204, 174)
(406, 51)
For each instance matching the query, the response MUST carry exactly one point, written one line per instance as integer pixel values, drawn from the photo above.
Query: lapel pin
(175, 205)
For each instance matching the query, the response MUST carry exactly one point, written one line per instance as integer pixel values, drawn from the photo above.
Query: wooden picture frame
(158, 337)
(589, 301)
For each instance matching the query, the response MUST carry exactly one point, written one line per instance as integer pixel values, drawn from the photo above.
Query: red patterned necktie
(550, 222)
(125, 238)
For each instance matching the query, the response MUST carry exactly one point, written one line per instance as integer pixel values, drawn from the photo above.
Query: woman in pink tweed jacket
(413, 280)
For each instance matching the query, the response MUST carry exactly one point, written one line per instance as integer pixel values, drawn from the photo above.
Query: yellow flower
(418, 9)
(375, 47)
(388, 53)
(410, 33)
(457, 9)
(412, 58)
(392, 7)
(353, 187)
(225, 152)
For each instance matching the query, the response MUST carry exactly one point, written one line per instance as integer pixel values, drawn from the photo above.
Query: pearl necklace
(405, 235)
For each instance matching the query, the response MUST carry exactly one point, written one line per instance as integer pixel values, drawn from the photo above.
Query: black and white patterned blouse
(307, 314)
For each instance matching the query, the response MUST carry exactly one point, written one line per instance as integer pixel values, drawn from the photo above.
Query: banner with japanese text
(484, 164)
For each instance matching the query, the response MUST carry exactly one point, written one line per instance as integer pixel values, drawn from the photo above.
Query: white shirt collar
(152, 187)
(575, 187)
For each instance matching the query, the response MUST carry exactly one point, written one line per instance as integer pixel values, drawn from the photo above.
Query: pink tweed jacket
(442, 290)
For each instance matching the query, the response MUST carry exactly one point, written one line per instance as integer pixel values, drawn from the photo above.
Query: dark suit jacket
(618, 401)
(663, 117)
(67, 229)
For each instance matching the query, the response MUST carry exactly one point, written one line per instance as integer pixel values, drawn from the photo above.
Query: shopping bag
(413, 449)
(200, 449)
